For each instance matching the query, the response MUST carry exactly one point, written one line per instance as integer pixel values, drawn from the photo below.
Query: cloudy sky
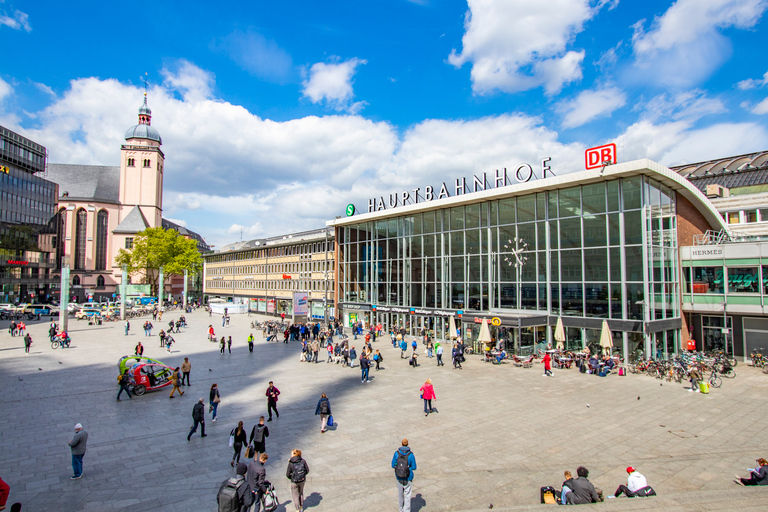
(276, 115)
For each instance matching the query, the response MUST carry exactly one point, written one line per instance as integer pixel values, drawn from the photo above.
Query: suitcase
(704, 387)
(621, 371)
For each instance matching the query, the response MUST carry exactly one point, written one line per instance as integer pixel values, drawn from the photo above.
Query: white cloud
(5, 89)
(193, 83)
(247, 231)
(676, 143)
(258, 55)
(752, 83)
(689, 105)
(17, 20)
(761, 108)
(590, 105)
(180, 222)
(332, 82)
(44, 88)
(519, 45)
(684, 45)
(609, 57)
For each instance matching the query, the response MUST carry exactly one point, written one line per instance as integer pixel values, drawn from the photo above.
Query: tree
(157, 247)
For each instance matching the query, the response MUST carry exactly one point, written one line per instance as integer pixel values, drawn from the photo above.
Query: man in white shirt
(637, 485)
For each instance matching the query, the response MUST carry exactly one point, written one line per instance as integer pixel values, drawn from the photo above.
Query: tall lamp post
(325, 278)
(64, 295)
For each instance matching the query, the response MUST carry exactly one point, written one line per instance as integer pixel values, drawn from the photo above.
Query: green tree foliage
(157, 247)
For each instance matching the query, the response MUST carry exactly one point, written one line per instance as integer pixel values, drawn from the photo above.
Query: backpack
(228, 498)
(402, 469)
(324, 407)
(269, 501)
(299, 473)
(119, 379)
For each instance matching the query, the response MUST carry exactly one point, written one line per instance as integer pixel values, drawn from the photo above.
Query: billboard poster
(300, 304)
(271, 306)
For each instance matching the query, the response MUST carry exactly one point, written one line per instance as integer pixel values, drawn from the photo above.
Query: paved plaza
(501, 432)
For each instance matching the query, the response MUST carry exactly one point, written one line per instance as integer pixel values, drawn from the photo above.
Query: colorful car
(146, 374)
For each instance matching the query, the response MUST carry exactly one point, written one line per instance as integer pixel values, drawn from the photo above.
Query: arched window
(80, 239)
(76, 281)
(61, 235)
(101, 240)
(100, 281)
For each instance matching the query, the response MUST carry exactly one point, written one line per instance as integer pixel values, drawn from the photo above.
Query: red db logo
(599, 156)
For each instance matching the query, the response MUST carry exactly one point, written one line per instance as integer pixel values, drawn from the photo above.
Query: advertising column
(300, 307)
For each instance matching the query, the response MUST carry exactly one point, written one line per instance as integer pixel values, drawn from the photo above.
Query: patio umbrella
(452, 328)
(606, 338)
(560, 334)
(485, 332)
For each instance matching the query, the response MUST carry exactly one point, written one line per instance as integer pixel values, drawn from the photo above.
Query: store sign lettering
(17, 262)
(286, 276)
(523, 174)
(710, 251)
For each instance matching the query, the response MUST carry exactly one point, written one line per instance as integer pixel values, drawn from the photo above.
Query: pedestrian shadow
(313, 500)
(418, 502)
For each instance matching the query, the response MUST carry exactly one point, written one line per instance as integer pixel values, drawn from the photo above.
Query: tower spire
(145, 114)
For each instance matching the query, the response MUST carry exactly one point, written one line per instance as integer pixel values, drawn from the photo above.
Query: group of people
(579, 490)
(17, 328)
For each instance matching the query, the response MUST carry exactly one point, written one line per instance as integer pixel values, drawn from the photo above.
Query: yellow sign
(5, 169)
(496, 321)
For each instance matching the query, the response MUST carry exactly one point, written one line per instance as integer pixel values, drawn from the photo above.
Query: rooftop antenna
(146, 86)
(241, 233)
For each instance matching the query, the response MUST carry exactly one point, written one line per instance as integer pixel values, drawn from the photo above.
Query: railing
(712, 237)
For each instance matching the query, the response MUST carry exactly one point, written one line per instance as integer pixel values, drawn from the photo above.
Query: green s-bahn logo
(350, 210)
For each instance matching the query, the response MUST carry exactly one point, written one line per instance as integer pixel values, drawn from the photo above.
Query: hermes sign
(523, 174)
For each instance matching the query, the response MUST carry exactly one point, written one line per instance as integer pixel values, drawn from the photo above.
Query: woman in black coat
(240, 440)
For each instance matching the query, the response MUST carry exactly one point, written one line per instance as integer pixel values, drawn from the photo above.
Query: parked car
(41, 309)
(86, 312)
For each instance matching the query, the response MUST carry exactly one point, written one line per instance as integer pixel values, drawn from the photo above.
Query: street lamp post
(64, 295)
(325, 278)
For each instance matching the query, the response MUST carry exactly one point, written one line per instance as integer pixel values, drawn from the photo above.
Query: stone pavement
(500, 434)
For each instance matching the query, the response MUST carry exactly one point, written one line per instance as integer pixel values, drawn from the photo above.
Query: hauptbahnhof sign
(524, 173)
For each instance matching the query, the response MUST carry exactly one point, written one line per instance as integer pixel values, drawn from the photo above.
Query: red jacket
(428, 392)
(547, 360)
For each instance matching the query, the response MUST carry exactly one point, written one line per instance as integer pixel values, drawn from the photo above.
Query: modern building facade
(102, 208)
(268, 275)
(27, 221)
(725, 274)
(585, 247)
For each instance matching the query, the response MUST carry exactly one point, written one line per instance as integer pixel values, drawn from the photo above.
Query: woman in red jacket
(428, 394)
(547, 365)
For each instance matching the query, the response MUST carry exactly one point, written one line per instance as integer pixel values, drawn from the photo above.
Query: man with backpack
(124, 381)
(404, 463)
(234, 494)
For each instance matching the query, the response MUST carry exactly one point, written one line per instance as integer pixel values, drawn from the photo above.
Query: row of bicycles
(678, 368)
(759, 360)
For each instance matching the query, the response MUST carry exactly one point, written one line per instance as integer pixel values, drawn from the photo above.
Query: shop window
(743, 280)
(707, 280)
(713, 337)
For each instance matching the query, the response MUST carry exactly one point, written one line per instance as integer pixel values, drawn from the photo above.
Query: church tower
(141, 170)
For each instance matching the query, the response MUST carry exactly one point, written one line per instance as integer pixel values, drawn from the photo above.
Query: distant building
(27, 225)
(266, 273)
(102, 208)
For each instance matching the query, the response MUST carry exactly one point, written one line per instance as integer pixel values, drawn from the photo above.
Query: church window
(100, 281)
(131, 162)
(101, 240)
(76, 281)
(80, 239)
(147, 163)
(129, 243)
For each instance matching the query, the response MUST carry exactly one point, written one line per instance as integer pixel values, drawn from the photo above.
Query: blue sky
(276, 115)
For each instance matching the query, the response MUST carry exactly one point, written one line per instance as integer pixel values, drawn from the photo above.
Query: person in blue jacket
(404, 463)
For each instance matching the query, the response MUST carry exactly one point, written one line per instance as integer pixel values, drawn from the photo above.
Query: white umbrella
(560, 334)
(452, 328)
(485, 332)
(606, 338)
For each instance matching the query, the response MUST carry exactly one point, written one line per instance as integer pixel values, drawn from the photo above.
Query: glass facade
(28, 223)
(605, 250)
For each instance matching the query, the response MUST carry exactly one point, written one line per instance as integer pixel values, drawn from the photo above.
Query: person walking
(125, 380)
(257, 479)
(78, 445)
(403, 348)
(324, 410)
(176, 383)
(378, 358)
(352, 357)
(404, 463)
(272, 394)
(297, 473)
(229, 345)
(214, 400)
(186, 367)
(52, 331)
(149, 328)
(222, 345)
(161, 334)
(127, 327)
(168, 342)
(428, 394)
(457, 356)
(198, 416)
(329, 349)
(27, 342)
(240, 439)
(315, 350)
(258, 438)
(139, 350)
(439, 354)
(250, 343)
(365, 366)
(547, 360)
